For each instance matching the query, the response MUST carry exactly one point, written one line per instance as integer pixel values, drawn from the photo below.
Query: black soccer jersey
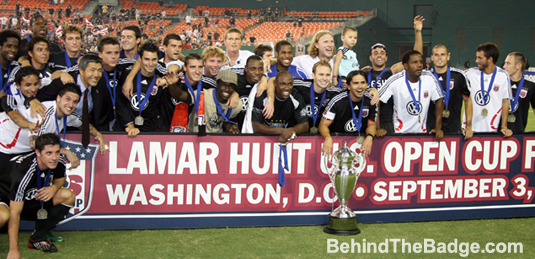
(339, 112)
(458, 88)
(243, 89)
(58, 61)
(288, 112)
(521, 110)
(386, 109)
(304, 89)
(18, 180)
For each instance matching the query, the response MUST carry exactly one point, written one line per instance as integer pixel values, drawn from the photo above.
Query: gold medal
(42, 214)
(313, 130)
(139, 120)
(446, 113)
(360, 140)
(419, 119)
(484, 112)
(511, 118)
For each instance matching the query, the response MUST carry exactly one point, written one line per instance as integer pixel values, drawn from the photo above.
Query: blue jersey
(296, 72)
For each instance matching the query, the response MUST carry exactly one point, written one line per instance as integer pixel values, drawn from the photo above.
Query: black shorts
(29, 211)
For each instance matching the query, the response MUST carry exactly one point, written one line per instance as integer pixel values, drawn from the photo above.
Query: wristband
(373, 137)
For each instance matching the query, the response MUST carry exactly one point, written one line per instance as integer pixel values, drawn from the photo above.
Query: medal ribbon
(68, 59)
(312, 103)
(229, 111)
(412, 93)
(486, 95)
(47, 179)
(112, 93)
(2, 77)
(64, 128)
(377, 79)
(359, 122)
(518, 90)
(197, 100)
(447, 92)
(142, 105)
(282, 152)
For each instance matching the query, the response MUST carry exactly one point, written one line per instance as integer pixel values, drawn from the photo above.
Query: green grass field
(531, 121)
(284, 242)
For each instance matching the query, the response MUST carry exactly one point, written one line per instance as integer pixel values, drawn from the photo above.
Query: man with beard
(321, 47)
(523, 92)
(39, 28)
(72, 38)
(350, 112)
(413, 90)
(285, 56)
(490, 90)
(9, 45)
(317, 93)
(218, 115)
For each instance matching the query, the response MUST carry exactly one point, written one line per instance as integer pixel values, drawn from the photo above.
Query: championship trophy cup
(344, 176)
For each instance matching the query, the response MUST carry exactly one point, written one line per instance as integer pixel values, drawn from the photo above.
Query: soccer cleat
(42, 244)
(49, 235)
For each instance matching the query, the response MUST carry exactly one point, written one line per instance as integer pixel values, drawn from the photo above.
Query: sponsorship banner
(185, 181)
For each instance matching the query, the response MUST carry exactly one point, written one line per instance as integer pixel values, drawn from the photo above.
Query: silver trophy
(344, 176)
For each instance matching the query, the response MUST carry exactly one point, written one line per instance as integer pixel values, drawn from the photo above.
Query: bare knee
(4, 215)
(65, 196)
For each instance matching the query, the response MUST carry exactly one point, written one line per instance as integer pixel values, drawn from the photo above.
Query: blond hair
(312, 50)
(322, 63)
(212, 51)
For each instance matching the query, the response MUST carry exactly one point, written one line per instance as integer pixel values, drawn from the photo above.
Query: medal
(313, 130)
(139, 120)
(511, 118)
(484, 112)
(419, 118)
(42, 214)
(486, 95)
(446, 113)
(416, 103)
(360, 140)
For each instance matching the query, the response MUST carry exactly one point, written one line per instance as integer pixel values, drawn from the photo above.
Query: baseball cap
(227, 76)
(378, 45)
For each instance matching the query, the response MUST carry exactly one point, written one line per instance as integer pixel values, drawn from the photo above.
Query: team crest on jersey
(178, 129)
(80, 180)
(154, 90)
(523, 93)
(496, 88)
(451, 84)
(426, 94)
(365, 112)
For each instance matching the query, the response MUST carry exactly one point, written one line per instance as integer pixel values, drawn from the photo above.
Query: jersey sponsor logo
(413, 109)
(480, 100)
(245, 101)
(426, 94)
(350, 126)
(134, 102)
(496, 88)
(523, 93)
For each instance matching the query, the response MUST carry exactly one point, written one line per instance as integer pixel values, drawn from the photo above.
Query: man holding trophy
(349, 112)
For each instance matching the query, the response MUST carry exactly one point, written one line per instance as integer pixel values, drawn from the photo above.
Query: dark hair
(107, 40)
(135, 29)
(282, 73)
(88, 58)
(281, 43)
(192, 56)
(356, 73)
(71, 29)
(148, 47)
(24, 72)
(261, 49)
(519, 58)
(253, 57)
(5, 34)
(171, 36)
(491, 51)
(45, 140)
(407, 56)
(34, 40)
(70, 87)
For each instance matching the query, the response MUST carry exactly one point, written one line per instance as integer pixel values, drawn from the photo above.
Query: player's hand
(267, 66)
(171, 78)
(418, 23)
(102, 142)
(286, 135)
(34, 127)
(173, 69)
(234, 129)
(374, 94)
(366, 69)
(468, 133)
(260, 89)
(71, 157)
(439, 134)
(132, 131)
(380, 132)
(366, 147)
(161, 82)
(13, 254)
(46, 193)
(327, 148)
(269, 109)
(233, 101)
(506, 132)
(37, 108)
(66, 78)
(128, 87)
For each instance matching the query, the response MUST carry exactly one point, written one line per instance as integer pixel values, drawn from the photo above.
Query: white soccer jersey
(405, 117)
(49, 122)
(306, 63)
(500, 90)
(239, 67)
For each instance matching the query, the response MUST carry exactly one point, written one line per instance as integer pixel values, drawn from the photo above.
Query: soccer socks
(55, 215)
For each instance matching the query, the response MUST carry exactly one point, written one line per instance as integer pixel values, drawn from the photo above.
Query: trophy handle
(361, 161)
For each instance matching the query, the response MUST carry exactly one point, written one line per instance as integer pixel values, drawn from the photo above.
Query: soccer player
(413, 90)
(523, 92)
(490, 90)
(39, 28)
(130, 40)
(9, 45)
(212, 58)
(350, 111)
(33, 186)
(455, 89)
(289, 117)
(285, 56)
(321, 47)
(236, 58)
(72, 38)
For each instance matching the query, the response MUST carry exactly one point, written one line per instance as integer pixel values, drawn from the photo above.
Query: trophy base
(342, 227)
